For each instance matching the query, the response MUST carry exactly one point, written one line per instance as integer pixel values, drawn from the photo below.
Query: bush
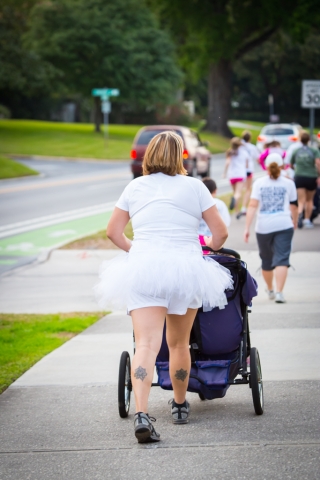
(4, 112)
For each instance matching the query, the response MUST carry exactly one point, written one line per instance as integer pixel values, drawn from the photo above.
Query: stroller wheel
(124, 385)
(256, 381)
(201, 396)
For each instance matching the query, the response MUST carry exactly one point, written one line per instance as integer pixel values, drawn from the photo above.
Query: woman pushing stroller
(163, 274)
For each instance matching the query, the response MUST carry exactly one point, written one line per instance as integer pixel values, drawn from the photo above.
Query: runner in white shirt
(237, 160)
(253, 157)
(276, 197)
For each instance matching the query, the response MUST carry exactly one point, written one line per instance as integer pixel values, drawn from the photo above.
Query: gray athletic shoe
(280, 298)
(179, 412)
(271, 294)
(143, 428)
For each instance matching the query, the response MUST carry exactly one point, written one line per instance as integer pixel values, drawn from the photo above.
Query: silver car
(284, 133)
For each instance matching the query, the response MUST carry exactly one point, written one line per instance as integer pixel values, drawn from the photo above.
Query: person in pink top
(271, 147)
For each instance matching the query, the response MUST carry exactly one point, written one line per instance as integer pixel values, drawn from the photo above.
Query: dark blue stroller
(221, 354)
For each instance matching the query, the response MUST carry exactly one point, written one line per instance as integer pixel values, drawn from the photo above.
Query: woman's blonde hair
(164, 154)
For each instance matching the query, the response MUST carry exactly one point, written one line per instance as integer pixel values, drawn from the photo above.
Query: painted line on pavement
(42, 240)
(36, 223)
(58, 183)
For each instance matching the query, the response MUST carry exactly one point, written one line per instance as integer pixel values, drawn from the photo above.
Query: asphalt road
(68, 200)
(61, 186)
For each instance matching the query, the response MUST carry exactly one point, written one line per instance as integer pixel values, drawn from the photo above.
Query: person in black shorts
(304, 161)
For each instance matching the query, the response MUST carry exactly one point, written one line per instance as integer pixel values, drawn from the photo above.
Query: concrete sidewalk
(60, 421)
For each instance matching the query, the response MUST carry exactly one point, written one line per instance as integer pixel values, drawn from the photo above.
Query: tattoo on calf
(181, 374)
(140, 373)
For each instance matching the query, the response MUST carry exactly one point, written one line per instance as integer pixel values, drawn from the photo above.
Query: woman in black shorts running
(304, 161)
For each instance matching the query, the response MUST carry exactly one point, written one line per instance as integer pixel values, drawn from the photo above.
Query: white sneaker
(280, 297)
(307, 223)
(271, 294)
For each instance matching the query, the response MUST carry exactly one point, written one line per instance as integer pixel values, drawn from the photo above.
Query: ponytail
(274, 170)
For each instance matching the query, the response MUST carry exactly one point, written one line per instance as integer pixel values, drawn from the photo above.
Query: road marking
(36, 223)
(58, 183)
(35, 242)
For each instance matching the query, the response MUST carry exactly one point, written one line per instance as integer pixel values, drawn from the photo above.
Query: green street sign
(105, 92)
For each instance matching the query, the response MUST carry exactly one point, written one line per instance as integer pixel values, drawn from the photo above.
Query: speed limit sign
(310, 95)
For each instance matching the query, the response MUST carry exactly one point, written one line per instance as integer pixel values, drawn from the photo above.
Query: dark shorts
(249, 174)
(309, 183)
(275, 248)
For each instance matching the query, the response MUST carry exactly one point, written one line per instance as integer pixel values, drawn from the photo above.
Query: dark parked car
(196, 157)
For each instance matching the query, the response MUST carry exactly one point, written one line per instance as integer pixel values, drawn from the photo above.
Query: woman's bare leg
(280, 274)
(309, 203)
(268, 278)
(301, 199)
(246, 198)
(237, 196)
(178, 336)
(148, 328)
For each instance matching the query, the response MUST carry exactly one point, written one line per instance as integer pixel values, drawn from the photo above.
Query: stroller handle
(226, 251)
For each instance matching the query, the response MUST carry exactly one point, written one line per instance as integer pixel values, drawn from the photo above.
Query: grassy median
(78, 140)
(25, 339)
(11, 169)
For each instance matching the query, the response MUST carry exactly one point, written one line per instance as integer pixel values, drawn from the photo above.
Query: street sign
(105, 92)
(105, 106)
(310, 94)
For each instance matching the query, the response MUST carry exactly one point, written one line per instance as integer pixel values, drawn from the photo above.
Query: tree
(278, 68)
(212, 34)
(98, 43)
(20, 70)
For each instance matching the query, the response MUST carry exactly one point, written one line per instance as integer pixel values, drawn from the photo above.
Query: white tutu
(162, 271)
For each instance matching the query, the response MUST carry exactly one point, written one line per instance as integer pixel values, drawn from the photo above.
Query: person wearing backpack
(304, 161)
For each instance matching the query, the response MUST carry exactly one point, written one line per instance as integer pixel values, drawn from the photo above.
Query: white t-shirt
(238, 164)
(165, 208)
(274, 203)
(254, 155)
(224, 213)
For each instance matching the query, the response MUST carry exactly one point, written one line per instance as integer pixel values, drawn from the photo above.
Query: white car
(284, 133)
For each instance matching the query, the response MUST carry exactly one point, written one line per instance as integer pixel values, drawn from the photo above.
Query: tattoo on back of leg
(181, 374)
(140, 373)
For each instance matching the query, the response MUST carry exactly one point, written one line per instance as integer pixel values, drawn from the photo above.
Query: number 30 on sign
(310, 95)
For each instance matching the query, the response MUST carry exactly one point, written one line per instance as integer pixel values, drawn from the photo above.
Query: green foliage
(210, 30)
(4, 112)
(11, 169)
(94, 43)
(277, 67)
(20, 69)
(25, 339)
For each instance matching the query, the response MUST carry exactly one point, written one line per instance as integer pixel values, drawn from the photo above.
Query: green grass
(78, 140)
(95, 240)
(25, 339)
(11, 169)
(216, 143)
(31, 137)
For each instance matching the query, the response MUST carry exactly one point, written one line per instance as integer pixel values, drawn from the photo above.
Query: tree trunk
(219, 97)
(97, 114)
